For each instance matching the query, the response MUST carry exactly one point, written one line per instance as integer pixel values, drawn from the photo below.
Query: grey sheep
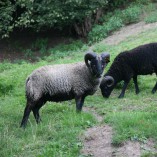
(141, 60)
(63, 82)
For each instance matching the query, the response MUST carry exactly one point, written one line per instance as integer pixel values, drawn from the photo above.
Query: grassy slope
(133, 117)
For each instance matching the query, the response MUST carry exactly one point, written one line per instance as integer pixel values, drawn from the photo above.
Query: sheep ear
(89, 56)
(105, 56)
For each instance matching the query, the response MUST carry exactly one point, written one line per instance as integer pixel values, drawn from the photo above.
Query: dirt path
(128, 31)
(98, 142)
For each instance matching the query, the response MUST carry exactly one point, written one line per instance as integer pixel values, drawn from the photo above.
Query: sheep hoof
(121, 96)
(23, 126)
(38, 121)
(78, 111)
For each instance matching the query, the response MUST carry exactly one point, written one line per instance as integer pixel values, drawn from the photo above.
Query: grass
(132, 118)
(58, 134)
(151, 18)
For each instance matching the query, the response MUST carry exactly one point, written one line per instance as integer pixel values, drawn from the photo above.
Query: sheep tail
(29, 88)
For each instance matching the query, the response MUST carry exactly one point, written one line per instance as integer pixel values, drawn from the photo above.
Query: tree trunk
(83, 28)
(98, 14)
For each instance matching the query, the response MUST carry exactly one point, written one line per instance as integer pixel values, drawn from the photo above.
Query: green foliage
(151, 18)
(58, 133)
(149, 154)
(118, 3)
(114, 21)
(101, 31)
(6, 18)
(28, 53)
(131, 14)
(132, 118)
(98, 32)
(66, 50)
(45, 14)
(40, 45)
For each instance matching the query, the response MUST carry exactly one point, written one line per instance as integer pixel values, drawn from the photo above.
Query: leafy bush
(6, 18)
(42, 14)
(40, 45)
(114, 21)
(98, 32)
(101, 31)
(118, 3)
(151, 18)
(131, 14)
(114, 24)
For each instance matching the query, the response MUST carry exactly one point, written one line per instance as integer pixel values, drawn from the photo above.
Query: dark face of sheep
(107, 86)
(96, 64)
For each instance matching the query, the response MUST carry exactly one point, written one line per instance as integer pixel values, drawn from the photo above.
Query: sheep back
(63, 81)
(138, 61)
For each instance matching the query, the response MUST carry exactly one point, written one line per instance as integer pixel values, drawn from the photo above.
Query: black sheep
(141, 60)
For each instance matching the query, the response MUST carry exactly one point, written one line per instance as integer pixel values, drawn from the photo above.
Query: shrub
(151, 18)
(131, 14)
(114, 24)
(41, 15)
(98, 32)
(114, 21)
(101, 31)
(40, 44)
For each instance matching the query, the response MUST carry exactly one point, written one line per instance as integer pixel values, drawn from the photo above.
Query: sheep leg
(36, 114)
(155, 88)
(36, 109)
(26, 116)
(79, 102)
(123, 89)
(136, 84)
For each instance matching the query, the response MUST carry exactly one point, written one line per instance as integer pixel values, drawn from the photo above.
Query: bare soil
(97, 142)
(20, 45)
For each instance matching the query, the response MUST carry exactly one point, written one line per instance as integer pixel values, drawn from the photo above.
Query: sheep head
(96, 63)
(107, 85)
